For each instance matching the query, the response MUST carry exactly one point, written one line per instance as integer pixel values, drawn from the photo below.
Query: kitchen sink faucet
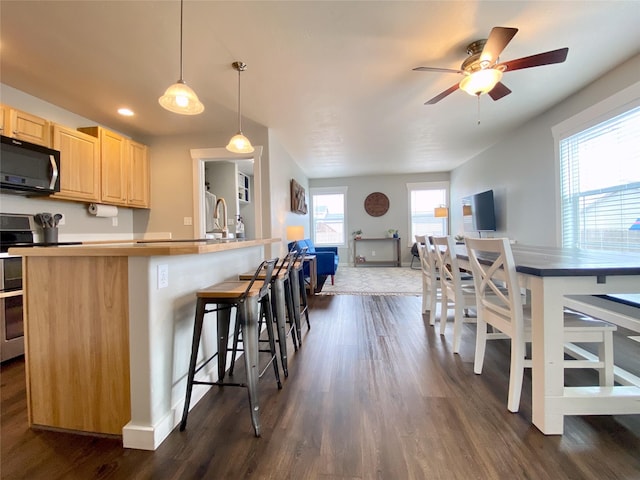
(224, 229)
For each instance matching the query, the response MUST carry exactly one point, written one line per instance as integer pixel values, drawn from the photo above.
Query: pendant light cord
(239, 104)
(181, 22)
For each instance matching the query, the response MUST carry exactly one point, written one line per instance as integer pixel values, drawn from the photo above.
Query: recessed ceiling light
(126, 112)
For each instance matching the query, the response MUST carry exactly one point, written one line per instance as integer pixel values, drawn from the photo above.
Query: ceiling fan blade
(434, 69)
(498, 39)
(499, 91)
(439, 97)
(546, 58)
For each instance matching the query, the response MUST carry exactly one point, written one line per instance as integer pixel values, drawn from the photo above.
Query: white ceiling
(333, 80)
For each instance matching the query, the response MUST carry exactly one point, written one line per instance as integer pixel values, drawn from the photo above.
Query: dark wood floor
(374, 393)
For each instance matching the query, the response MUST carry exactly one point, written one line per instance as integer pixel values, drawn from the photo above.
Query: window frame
(435, 185)
(337, 190)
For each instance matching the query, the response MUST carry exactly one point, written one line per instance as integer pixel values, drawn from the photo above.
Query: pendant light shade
(179, 97)
(239, 143)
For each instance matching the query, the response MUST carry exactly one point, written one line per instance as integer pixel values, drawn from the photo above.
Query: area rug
(374, 281)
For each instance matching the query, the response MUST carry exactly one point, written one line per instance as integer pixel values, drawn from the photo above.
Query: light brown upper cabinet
(138, 194)
(124, 169)
(24, 126)
(80, 164)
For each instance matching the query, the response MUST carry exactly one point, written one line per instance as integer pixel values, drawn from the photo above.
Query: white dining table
(550, 274)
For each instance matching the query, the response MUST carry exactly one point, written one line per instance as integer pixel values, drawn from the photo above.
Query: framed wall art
(298, 198)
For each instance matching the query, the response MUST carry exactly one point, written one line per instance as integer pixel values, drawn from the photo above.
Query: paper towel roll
(103, 210)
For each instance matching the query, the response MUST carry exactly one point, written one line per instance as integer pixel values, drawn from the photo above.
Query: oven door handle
(14, 293)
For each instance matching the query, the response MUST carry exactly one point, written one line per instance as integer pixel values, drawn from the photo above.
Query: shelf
(392, 262)
(243, 187)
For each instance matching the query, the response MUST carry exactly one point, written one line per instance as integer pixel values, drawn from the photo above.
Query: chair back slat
(427, 259)
(265, 268)
(447, 264)
(496, 282)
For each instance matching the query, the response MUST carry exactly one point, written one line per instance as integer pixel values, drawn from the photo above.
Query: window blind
(600, 185)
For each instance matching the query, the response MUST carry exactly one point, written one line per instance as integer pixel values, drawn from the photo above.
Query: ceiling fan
(481, 70)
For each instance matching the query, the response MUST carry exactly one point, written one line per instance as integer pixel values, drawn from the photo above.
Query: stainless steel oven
(15, 229)
(11, 321)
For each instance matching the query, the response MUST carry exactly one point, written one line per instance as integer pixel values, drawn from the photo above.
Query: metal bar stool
(303, 289)
(282, 306)
(252, 302)
(298, 292)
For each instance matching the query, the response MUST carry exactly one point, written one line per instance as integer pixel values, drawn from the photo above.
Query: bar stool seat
(252, 302)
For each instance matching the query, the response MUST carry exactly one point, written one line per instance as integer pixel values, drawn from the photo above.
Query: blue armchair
(326, 257)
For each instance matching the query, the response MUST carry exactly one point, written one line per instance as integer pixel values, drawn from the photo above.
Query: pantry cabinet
(80, 164)
(24, 126)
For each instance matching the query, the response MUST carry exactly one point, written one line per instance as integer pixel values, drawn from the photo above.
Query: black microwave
(28, 169)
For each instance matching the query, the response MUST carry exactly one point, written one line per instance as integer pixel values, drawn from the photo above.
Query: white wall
(394, 187)
(522, 168)
(282, 169)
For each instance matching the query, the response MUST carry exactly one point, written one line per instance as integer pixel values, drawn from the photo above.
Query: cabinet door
(79, 164)
(113, 169)
(29, 128)
(4, 120)
(138, 194)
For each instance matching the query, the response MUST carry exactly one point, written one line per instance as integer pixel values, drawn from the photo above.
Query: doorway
(200, 157)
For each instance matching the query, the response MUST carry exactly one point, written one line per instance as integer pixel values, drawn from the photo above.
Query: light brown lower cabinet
(77, 343)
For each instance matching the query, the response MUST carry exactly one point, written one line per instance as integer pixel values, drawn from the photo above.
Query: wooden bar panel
(77, 342)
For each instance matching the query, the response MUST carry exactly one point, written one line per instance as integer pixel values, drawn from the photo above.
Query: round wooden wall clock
(376, 204)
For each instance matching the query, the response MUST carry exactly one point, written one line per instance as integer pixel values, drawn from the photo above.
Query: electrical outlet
(373, 253)
(188, 221)
(163, 276)
(114, 221)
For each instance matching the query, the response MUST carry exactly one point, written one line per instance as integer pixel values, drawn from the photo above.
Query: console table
(362, 260)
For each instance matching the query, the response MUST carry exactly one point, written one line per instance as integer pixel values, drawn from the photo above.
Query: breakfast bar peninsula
(108, 331)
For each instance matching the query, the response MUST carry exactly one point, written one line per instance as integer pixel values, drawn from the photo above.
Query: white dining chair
(457, 293)
(431, 293)
(499, 304)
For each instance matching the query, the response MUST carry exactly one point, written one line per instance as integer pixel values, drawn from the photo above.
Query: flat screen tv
(483, 213)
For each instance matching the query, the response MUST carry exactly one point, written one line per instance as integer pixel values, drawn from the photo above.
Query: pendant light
(179, 97)
(239, 143)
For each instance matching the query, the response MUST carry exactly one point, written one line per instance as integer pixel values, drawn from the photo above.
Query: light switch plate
(163, 276)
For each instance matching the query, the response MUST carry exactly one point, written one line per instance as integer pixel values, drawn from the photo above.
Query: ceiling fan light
(481, 81)
(180, 98)
(240, 144)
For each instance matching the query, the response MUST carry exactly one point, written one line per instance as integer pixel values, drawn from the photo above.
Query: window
(600, 185)
(423, 199)
(328, 215)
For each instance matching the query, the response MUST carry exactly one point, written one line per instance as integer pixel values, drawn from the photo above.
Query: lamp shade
(481, 81)
(240, 144)
(441, 212)
(180, 98)
(295, 232)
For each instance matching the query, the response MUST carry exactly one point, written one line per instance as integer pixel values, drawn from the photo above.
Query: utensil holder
(50, 235)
